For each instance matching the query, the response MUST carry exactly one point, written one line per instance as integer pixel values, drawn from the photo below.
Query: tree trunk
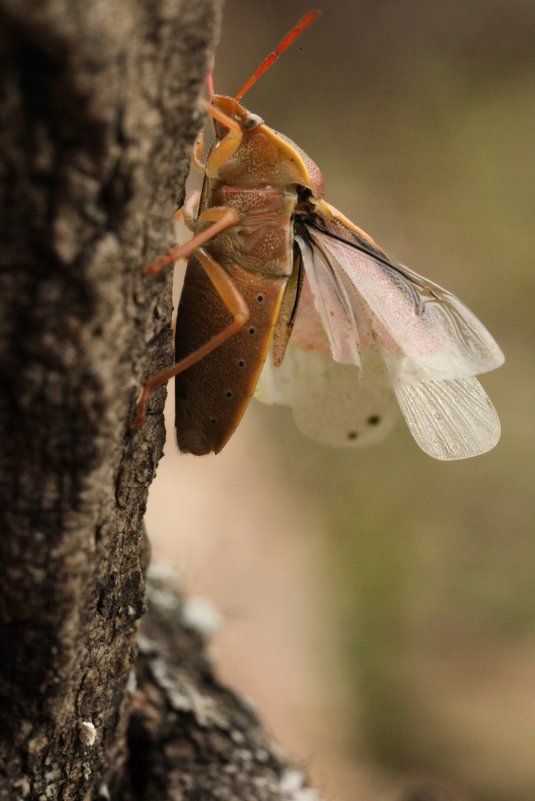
(99, 112)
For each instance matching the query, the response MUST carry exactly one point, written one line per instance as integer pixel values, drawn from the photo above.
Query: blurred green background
(422, 574)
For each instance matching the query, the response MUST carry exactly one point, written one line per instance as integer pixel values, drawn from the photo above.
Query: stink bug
(277, 276)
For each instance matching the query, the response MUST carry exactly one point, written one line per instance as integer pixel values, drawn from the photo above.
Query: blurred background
(380, 606)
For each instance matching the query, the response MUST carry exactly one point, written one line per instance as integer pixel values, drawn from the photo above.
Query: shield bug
(286, 297)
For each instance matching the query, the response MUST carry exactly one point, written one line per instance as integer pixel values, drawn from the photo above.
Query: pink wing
(424, 331)
(399, 330)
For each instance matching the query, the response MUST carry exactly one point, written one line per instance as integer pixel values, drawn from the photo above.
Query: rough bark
(190, 737)
(99, 110)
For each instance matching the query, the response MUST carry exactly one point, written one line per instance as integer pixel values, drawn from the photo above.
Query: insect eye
(252, 121)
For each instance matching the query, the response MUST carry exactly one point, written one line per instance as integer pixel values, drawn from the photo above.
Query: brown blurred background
(379, 605)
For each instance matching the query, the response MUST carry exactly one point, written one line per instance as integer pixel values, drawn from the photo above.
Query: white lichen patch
(162, 571)
(131, 684)
(199, 614)
(292, 787)
(164, 599)
(88, 733)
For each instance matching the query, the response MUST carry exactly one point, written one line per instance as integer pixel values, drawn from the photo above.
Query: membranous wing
(425, 331)
(398, 330)
(450, 419)
(330, 401)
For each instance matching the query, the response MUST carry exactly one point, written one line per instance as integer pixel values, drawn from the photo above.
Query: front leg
(226, 148)
(222, 216)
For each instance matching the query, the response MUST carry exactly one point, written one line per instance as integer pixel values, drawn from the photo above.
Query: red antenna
(303, 23)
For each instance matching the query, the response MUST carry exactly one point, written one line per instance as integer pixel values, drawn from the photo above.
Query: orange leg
(226, 148)
(236, 305)
(228, 145)
(222, 216)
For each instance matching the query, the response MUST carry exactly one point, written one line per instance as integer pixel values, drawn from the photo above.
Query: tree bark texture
(98, 114)
(99, 110)
(191, 738)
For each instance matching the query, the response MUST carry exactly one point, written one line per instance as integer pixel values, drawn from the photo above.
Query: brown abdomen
(212, 395)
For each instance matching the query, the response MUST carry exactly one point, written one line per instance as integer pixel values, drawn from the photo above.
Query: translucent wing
(358, 308)
(332, 302)
(450, 419)
(330, 401)
(425, 331)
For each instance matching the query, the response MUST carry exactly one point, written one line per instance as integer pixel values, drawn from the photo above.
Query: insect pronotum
(286, 297)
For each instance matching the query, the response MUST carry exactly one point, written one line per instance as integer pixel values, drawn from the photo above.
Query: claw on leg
(141, 407)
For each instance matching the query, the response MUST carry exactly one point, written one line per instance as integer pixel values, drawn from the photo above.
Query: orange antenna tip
(290, 37)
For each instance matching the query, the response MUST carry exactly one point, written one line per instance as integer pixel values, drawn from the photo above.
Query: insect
(285, 296)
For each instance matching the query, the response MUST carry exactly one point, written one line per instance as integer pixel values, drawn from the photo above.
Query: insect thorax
(262, 239)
